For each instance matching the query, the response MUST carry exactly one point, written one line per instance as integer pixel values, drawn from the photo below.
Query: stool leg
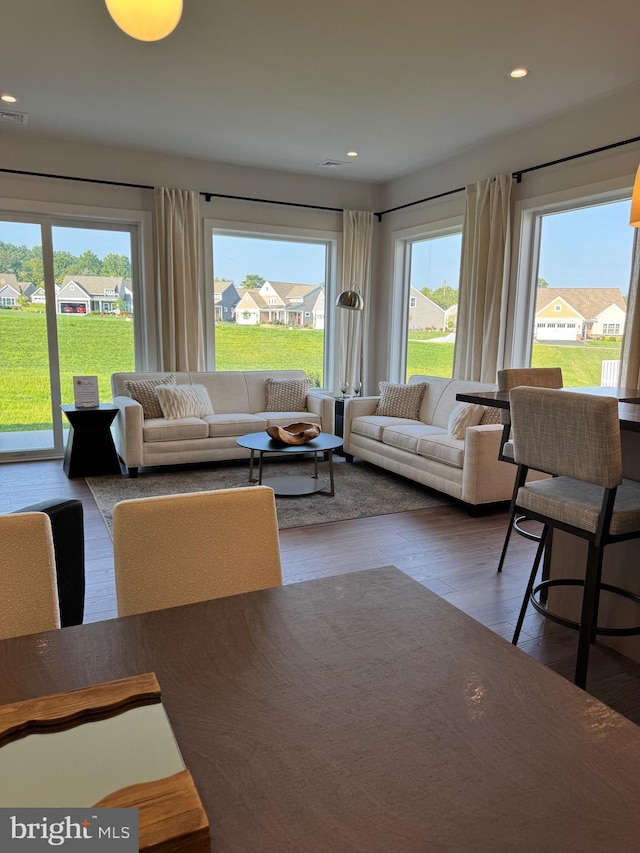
(532, 577)
(588, 618)
(506, 539)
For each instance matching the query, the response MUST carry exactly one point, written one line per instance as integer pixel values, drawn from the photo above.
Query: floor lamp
(352, 300)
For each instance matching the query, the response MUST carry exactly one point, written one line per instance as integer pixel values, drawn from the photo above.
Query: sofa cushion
(406, 437)
(442, 448)
(491, 415)
(234, 424)
(400, 401)
(464, 415)
(372, 426)
(286, 395)
(167, 429)
(144, 392)
(184, 401)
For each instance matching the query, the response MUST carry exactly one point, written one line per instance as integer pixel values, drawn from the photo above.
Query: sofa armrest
(356, 407)
(324, 406)
(127, 431)
(484, 478)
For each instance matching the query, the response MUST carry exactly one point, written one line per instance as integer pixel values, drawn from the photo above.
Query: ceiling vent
(332, 164)
(13, 116)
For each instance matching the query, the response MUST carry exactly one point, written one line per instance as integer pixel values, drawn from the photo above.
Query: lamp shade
(634, 219)
(351, 299)
(146, 20)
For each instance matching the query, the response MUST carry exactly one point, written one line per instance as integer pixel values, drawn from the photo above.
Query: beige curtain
(630, 355)
(177, 238)
(357, 233)
(484, 280)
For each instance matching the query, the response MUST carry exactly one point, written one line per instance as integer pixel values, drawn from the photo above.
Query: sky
(589, 247)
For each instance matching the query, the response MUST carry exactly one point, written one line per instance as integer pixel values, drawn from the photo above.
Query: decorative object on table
(344, 387)
(146, 20)
(357, 388)
(300, 433)
(85, 392)
(132, 760)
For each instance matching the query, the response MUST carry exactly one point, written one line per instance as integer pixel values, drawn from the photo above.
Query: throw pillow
(464, 415)
(286, 395)
(400, 401)
(184, 401)
(491, 415)
(144, 392)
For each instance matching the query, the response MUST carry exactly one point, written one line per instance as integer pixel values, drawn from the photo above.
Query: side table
(339, 419)
(90, 451)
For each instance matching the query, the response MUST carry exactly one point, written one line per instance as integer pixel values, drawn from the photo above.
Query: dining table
(568, 554)
(361, 713)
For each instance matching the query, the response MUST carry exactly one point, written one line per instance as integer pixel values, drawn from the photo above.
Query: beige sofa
(422, 450)
(239, 401)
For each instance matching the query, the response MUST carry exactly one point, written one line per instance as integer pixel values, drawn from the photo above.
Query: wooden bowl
(294, 433)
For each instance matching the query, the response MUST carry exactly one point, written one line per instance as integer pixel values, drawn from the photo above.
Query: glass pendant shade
(146, 20)
(634, 219)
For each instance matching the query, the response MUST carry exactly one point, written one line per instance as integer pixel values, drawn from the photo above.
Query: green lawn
(104, 345)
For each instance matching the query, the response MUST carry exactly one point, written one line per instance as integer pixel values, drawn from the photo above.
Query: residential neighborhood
(424, 313)
(275, 302)
(578, 313)
(80, 294)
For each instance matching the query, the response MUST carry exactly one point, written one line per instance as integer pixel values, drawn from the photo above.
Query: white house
(573, 313)
(282, 303)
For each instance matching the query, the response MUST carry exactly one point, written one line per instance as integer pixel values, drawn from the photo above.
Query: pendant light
(146, 20)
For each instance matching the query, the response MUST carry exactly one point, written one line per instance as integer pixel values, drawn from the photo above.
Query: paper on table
(85, 390)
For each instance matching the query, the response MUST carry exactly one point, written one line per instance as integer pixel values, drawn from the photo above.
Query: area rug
(361, 490)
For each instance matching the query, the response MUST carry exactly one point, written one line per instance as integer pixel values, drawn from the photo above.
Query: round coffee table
(292, 485)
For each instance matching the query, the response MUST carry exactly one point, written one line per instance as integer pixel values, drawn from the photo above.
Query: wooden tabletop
(361, 714)
(628, 401)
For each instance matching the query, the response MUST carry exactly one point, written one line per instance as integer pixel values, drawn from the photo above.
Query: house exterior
(11, 289)
(87, 294)
(575, 313)
(424, 313)
(282, 303)
(225, 298)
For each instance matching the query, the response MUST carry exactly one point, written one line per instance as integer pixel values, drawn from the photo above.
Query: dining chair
(575, 438)
(538, 377)
(29, 600)
(179, 549)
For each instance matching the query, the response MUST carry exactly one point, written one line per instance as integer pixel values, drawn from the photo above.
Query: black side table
(90, 451)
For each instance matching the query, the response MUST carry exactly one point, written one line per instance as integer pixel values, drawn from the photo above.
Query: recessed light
(518, 72)
(8, 99)
(352, 153)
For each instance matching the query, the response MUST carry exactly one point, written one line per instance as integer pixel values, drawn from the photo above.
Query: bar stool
(576, 438)
(536, 377)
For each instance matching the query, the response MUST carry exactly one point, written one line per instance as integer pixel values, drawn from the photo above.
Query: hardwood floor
(443, 548)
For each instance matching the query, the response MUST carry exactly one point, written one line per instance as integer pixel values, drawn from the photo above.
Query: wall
(601, 122)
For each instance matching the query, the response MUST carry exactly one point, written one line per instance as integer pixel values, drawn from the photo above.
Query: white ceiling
(287, 84)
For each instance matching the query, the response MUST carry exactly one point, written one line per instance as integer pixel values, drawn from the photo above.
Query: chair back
(533, 377)
(29, 600)
(179, 549)
(567, 434)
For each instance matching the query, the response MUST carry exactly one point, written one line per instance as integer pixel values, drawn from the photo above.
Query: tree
(253, 282)
(444, 296)
(116, 265)
(543, 283)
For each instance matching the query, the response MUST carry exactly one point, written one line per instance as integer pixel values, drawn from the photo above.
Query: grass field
(104, 345)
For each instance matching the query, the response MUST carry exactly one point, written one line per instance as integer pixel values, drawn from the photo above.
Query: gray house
(86, 294)
(225, 297)
(424, 313)
(11, 289)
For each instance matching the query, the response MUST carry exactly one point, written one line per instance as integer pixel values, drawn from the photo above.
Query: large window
(430, 273)
(269, 301)
(580, 277)
(68, 309)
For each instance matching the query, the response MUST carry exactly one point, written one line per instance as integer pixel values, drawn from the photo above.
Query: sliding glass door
(67, 308)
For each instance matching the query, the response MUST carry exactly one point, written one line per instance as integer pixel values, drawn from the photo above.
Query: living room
(440, 113)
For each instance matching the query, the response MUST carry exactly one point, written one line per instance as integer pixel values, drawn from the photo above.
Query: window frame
(527, 219)
(332, 240)
(402, 240)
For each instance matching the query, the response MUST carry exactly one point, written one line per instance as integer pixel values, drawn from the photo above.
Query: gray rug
(361, 490)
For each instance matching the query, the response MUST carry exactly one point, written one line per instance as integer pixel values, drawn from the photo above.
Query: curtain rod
(517, 175)
(207, 196)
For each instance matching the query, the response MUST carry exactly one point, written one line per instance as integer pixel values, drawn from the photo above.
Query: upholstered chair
(29, 600)
(179, 549)
(537, 377)
(574, 437)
